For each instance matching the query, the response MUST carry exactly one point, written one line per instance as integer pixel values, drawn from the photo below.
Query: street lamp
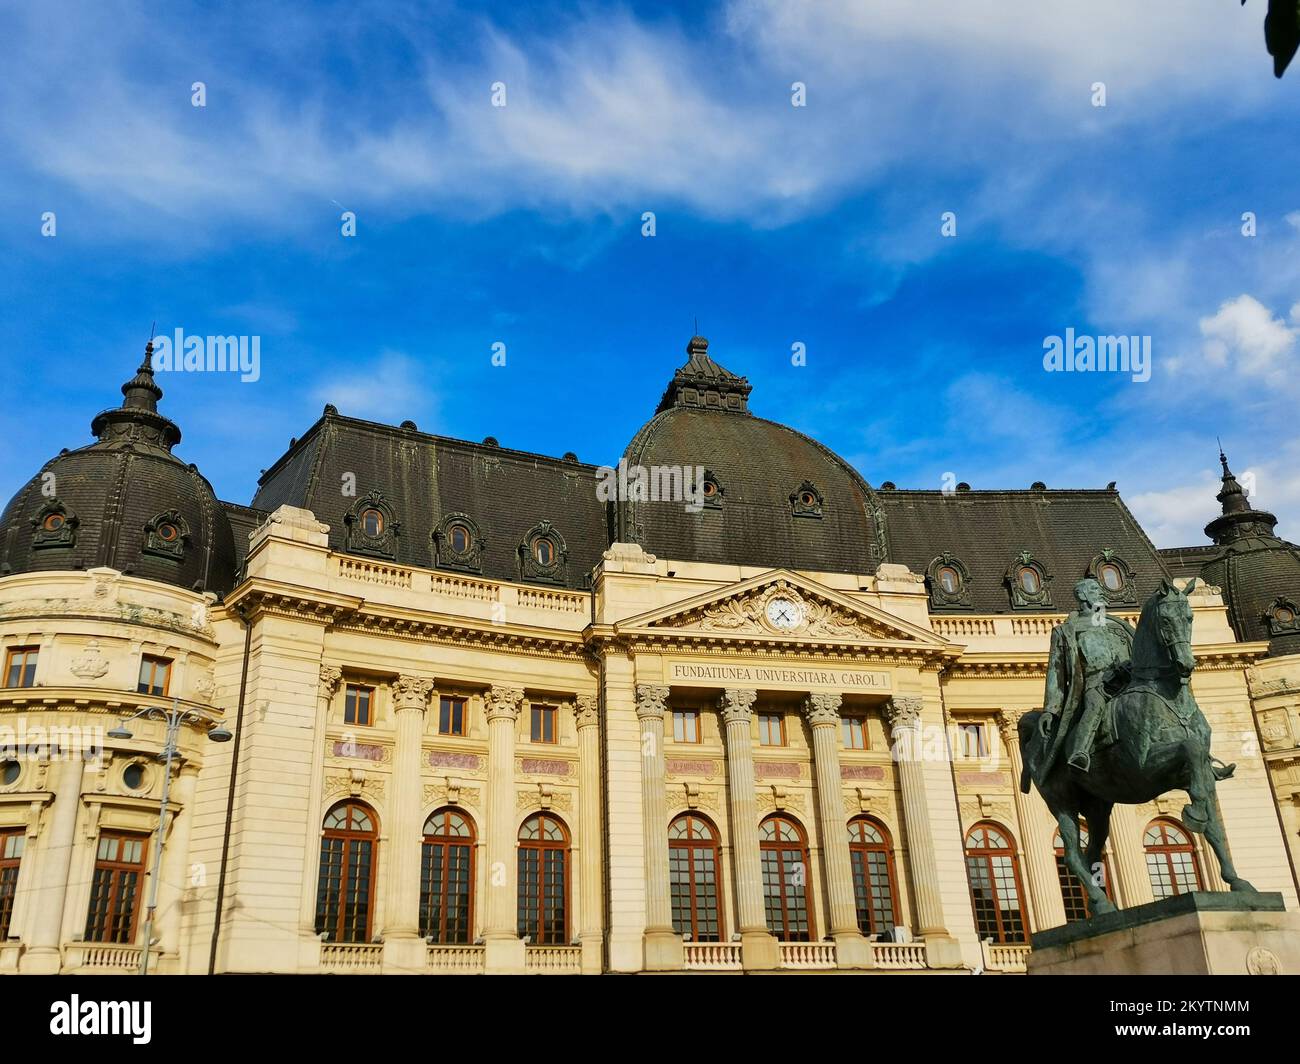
(175, 717)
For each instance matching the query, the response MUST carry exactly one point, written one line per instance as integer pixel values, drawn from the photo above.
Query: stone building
(752, 714)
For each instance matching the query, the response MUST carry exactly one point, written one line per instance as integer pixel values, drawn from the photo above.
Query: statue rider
(1088, 665)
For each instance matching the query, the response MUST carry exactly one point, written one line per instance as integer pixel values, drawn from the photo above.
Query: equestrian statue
(1119, 724)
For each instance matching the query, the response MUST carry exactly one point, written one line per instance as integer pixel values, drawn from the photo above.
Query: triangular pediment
(781, 605)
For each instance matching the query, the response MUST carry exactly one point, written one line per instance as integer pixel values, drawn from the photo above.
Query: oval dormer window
(458, 538)
(372, 523)
(1029, 582)
(167, 532)
(53, 522)
(949, 580)
(1284, 615)
(544, 552)
(1112, 579)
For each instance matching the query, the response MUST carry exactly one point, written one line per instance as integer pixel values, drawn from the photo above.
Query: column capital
(412, 692)
(737, 704)
(1008, 722)
(330, 678)
(822, 709)
(586, 708)
(651, 700)
(503, 702)
(904, 711)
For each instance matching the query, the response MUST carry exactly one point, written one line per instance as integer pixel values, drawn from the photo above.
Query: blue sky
(775, 225)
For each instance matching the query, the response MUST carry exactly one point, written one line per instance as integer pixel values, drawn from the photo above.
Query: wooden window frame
(693, 718)
(463, 704)
(1000, 933)
(860, 864)
(983, 740)
(540, 712)
(445, 841)
(156, 663)
(542, 846)
(1163, 853)
(104, 921)
(30, 656)
(349, 858)
(777, 847)
(691, 846)
(851, 722)
(10, 868)
(350, 687)
(767, 715)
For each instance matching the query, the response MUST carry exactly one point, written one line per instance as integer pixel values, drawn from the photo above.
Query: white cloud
(1245, 337)
(390, 389)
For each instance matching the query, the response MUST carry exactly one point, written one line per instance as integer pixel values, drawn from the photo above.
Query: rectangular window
(686, 726)
(155, 675)
(20, 667)
(854, 730)
(771, 729)
(543, 724)
(115, 889)
(973, 740)
(451, 716)
(11, 855)
(359, 705)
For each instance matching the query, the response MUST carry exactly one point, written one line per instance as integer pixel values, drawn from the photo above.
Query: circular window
(133, 777)
(168, 532)
(372, 523)
(52, 522)
(10, 771)
(1029, 582)
(1284, 615)
(710, 488)
(544, 552)
(458, 537)
(949, 580)
(1111, 577)
(808, 498)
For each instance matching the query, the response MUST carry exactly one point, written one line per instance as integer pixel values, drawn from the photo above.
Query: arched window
(347, 873)
(544, 880)
(447, 878)
(116, 888)
(693, 878)
(784, 856)
(994, 875)
(1072, 892)
(872, 861)
(1171, 859)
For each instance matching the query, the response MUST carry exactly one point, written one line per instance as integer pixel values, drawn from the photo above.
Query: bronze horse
(1161, 743)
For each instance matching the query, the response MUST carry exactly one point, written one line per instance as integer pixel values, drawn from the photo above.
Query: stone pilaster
(822, 712)
(903, 714)
(403, 948)
(663, 946)
(309, 953)
(42, 956)
(1037, 826)
(176, 860)
(504, 947)
(587, 714)
(758, 946)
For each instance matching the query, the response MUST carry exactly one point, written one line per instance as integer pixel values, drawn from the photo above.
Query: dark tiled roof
(986, 530)
(243, 521)
(1185, 562)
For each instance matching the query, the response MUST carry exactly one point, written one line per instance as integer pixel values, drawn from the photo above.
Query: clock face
(784, 614)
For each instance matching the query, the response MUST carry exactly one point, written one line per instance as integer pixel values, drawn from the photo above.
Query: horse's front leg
(1203, 814)
(1068, 822)
(1097, 814)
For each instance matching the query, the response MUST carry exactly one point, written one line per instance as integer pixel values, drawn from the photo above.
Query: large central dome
(775, 497)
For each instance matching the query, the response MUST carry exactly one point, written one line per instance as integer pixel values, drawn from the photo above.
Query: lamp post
(175, 717)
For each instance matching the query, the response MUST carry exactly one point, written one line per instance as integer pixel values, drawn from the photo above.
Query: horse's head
(1171, 612)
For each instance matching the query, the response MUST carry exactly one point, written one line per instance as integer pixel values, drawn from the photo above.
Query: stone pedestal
(1190, 934)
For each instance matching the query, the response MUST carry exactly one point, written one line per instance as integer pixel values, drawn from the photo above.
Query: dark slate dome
(124, 501)
(773, 497)
(1258, 572)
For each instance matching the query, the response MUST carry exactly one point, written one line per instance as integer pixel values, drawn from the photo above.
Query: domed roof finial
(701, 382)
(138, 418)
(141, 391)
(1231, 495)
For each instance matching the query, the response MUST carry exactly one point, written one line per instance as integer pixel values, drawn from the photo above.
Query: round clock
(784, 614)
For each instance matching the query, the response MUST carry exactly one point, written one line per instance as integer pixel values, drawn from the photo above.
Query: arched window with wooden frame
(544, 880)
(345, 890)
(115, 889)
(1072, 892)
(693, 863)
(447, 878)
(1171, 859)
(783, 848)
(12, 843)
(996, 892)
(871, 858)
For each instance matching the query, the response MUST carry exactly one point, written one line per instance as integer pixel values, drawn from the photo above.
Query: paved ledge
(1196, 902)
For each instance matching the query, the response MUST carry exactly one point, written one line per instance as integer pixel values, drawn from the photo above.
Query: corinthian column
(903, 714)
(823, 715)
(1134, 881)
(663, 947)
(757, 945)
(587, 713)
(1036, 829)
(42, 955)
(403, 949)
(504, 947)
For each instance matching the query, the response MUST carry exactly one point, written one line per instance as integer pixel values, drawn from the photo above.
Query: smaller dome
(124, 501)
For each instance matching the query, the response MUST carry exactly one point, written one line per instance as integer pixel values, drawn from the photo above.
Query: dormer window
(458, 538)
(372, 527)
(1115, 576)
(544, 552)
(806, 500)
(372, 523)
(54, 526)
(457, 544)
(1282, 617)
(1027, 580)
(712, 491)
(1030, 582)
(166, 535)
(543, 556)
(949, 582)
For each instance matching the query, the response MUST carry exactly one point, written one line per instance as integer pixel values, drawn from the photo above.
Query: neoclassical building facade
(751, 714)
